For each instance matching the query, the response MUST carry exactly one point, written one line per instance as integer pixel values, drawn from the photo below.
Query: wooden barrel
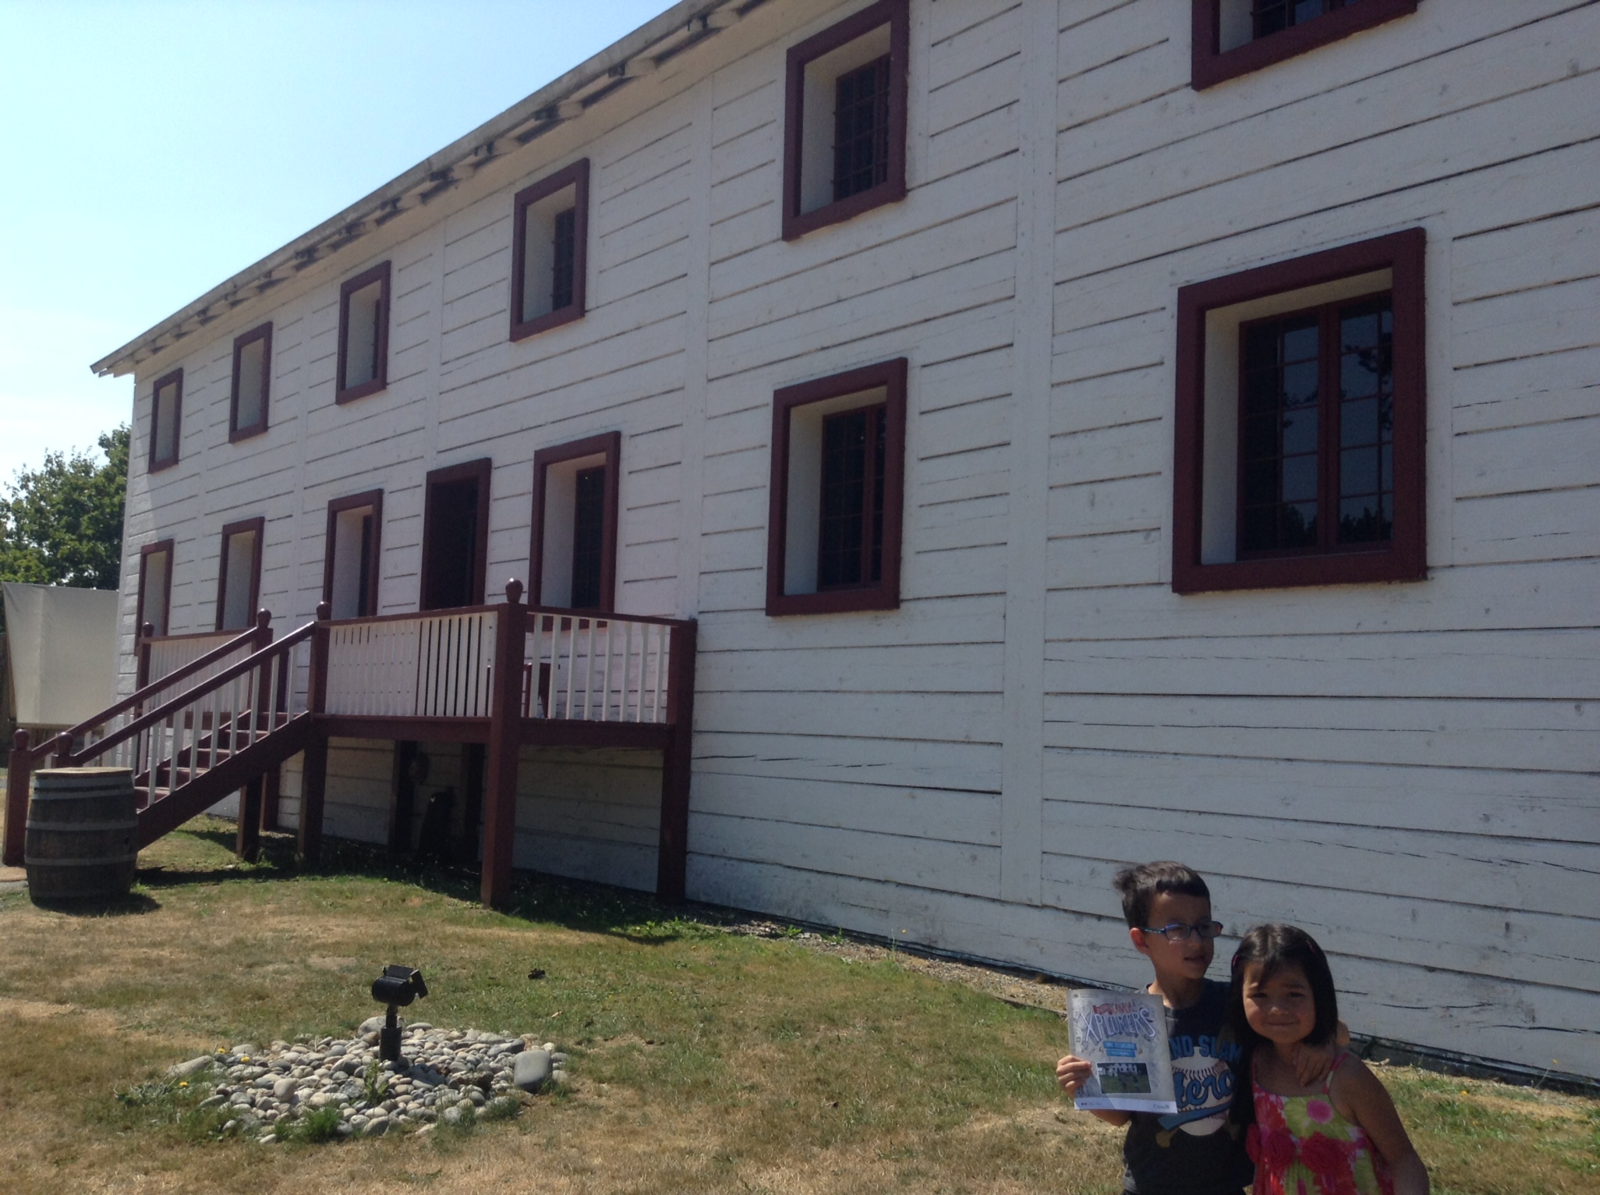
(82, 838)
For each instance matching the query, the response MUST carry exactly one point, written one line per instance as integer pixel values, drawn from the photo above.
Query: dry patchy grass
(702, 1061)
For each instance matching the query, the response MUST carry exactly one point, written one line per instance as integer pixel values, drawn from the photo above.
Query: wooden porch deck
(219, 713)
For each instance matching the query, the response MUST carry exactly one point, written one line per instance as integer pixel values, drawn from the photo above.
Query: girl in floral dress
(1341, 1136)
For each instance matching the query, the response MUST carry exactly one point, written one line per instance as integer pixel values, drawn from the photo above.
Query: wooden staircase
(221, 724)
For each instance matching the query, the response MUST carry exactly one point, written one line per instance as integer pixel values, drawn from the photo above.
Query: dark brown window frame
(884, 594)
(262, 333)
(479, 470)
(609, 445)
(576, 176)
(895, 14)
(1405, 556)
(229, 530)
(1210, 64)
(175, 378)
(378, 273)
(374, 499)
(145, 552)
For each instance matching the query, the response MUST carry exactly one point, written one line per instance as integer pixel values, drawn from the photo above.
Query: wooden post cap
(513, 591)
(263, 618)
(324, 611)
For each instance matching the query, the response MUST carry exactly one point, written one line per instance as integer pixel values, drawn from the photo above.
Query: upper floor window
(845, 119)
(549, 251)
(838, 453)
(252, 381)
(363, 334)
(239, 574)
(155, 588)
(351, 554)
(1235, 37)
(573, 549)
(1300, 410)
(166, 420)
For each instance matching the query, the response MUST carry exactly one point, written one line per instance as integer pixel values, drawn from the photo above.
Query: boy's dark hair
(1141, 885)
(1274, 947)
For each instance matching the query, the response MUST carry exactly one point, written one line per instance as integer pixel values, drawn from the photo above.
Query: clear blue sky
(149, 149)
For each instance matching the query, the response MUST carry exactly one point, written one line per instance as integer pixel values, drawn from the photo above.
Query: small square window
(363, 334)
(845, 119)
(239, 574)
(351, 555)
(155, 588)
(252, 381)
(549, 251)
(1300, 408)
(1235, 37)
(573, 551)
(838, 463)
(166, 420)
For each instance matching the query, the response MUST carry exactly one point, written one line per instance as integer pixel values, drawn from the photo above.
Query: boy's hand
(1072, 1073)
(1312, 1064)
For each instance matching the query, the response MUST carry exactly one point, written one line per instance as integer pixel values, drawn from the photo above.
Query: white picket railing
(427, 666)
(167, 655)
(596, 669)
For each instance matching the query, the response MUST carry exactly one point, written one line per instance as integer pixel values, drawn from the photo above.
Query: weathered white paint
(1409, 769)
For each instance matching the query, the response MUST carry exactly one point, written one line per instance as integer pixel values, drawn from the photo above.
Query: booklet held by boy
(1124, 1035)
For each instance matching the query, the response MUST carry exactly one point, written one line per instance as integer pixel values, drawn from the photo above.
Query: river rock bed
(443, 1075)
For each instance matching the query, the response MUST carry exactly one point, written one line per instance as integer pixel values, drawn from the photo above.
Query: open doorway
(455, 536)
(351, 555)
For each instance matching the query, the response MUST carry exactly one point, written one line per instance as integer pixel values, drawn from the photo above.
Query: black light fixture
(398, 986)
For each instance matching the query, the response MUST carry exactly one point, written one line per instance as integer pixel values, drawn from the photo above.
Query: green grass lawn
(701, 1060)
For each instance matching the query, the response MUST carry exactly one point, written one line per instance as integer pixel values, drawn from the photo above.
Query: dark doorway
(455, 536)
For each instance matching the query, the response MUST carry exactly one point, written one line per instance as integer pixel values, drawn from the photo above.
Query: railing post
(252, 803)
(63, 757)
(500, 822)
(141, 676)
(672, 852)
(314, 774)
(19, 771)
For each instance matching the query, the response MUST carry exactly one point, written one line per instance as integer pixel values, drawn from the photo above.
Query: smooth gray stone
(184, 1069)
(452, 1114)
(376, 1127)
(284, 1088)
(215, 1101)
(531, 1070)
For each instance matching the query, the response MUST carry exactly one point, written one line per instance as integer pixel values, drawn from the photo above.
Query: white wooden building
(936, 434)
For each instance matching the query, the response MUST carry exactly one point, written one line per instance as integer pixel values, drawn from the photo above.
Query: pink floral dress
(1302, 1146)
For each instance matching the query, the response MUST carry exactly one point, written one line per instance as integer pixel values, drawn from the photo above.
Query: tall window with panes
(850, 534)
(861, 129)
(588, 537)
(1316, 430)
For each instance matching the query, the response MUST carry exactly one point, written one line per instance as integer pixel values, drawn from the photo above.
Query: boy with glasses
(1197, 1150)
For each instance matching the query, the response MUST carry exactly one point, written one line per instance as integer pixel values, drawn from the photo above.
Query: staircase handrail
(43, 749)
(69, 759)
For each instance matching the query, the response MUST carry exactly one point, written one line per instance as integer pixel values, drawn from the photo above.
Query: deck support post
(466, 846)
(269, 801)
(248, 843)
(19, 773)
(402, 796)
(314, 772)
(505, 717)
(672, 852)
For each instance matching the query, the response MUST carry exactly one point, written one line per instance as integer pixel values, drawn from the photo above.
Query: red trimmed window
(1235, 37)
(252, 383)
(239, 574)
(838, 454)
(845, 119)
(363, 334)
(166, 420)
(455, 536)
(351, 555)
(154, 608)
(1300, 412)
(549, 251)
(573, 550)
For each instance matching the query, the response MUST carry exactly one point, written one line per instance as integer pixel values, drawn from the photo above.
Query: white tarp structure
(63, 652)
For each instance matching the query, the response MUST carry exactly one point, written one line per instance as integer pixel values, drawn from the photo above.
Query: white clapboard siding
(1407, 769)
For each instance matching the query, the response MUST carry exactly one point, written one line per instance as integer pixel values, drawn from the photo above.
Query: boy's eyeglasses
(1179, 932)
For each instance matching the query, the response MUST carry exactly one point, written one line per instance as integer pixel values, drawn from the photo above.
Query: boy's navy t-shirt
(1197, 1150)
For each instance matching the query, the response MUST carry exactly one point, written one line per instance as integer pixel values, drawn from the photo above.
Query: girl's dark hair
(1274, 947)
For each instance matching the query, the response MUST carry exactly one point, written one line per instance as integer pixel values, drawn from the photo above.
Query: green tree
(61, 524)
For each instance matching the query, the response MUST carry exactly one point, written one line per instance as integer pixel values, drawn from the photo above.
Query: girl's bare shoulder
(1353, 1085)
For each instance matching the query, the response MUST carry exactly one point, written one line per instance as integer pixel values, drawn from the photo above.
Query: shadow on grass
(119, 906)
(535, 897)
